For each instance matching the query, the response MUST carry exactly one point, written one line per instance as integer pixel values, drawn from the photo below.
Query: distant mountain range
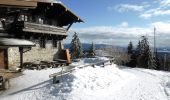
(161, 51)
(99, 46)
(86, 46)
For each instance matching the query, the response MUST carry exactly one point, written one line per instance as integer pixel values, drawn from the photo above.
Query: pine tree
(130, 48)
(157, 61)
(131, 53)
(91, 52)
(151, 61)
(138, 49)
(76, 47)
(137, 53)
(145, 59)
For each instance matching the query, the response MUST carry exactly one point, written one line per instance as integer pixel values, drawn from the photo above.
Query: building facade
(33, 32)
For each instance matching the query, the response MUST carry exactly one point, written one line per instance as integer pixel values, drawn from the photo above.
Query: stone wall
(35, 54)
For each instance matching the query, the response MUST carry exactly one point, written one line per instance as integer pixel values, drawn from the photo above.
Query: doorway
(3, 59)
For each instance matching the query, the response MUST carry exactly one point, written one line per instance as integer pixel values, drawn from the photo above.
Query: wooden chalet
(32, 30)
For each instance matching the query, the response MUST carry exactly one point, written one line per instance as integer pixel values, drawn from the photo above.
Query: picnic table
(44, 64)
(34, 65)
(61, 60)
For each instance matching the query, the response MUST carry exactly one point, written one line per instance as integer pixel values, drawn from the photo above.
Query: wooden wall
(3, 59)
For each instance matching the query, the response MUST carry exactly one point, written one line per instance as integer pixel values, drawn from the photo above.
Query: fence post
(55, 80)
(103, 64)
(110, 62)
(6, 84)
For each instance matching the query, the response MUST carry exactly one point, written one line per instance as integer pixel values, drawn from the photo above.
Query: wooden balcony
(40, 28)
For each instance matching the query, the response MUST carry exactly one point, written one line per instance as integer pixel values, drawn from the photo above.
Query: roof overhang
(10, 42)
(77, 18)
(19, 3)
(67, 15)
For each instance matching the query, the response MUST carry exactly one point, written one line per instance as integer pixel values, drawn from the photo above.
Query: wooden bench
(49, 63)
(55, 64)
(35, 65)
(61, 60)
(44, 64)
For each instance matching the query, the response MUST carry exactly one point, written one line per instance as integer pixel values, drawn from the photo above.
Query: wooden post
(69, 26)
(5, 84)
(111, 62)
(68, 56)
(103, 64)
(6, 58)
(55, 80)
(21, 56)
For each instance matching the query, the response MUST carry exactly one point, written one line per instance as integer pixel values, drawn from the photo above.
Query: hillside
(109, 83)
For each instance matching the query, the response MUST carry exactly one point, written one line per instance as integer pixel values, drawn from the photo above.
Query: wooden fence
(61, 73)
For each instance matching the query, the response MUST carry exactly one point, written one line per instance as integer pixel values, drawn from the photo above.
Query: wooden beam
(18, 3)
(69, 26)
(6, 58)
(21, 56)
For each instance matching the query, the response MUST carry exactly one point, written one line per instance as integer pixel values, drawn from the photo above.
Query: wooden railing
(44, 27)
(40, 28)
(101, 63)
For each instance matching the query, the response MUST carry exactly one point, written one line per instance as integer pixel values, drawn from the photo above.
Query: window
(26, 18)
(23, 18)
(40, 20)
(42, 42)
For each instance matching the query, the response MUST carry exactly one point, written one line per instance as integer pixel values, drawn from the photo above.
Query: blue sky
(117, 22)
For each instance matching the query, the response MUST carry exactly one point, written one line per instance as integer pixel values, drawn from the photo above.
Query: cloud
(162, 27)
(165, 2)
(154, 12)
(126, 7)
(124, 24)
(145, 10)
(117, 35)
(159, 8)
(146, 15)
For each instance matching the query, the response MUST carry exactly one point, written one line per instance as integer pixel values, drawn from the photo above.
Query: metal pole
(164, 62)
(154, 42)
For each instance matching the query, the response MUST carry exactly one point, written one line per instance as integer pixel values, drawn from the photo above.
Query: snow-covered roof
(10, 42)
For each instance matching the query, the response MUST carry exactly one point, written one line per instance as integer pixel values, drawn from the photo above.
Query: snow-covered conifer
(76, 47)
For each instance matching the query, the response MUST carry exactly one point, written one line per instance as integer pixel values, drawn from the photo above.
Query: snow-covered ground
(109, 83)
